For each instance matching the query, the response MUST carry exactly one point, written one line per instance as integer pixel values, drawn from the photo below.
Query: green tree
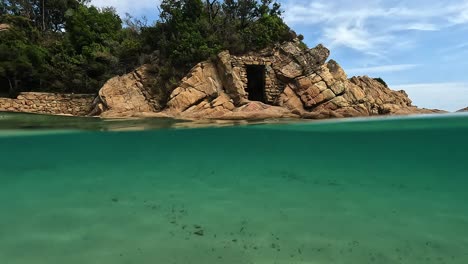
(46, 15)
(72, 46)
(88, 51)
(21, 59)
(86, 26)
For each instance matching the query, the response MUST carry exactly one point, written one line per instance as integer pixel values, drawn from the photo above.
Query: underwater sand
(358, 191)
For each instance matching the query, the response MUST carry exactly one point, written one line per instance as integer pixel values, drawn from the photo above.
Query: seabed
(365, 191)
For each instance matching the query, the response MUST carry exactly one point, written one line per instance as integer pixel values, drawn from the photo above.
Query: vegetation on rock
(380, 80)
(72, 46)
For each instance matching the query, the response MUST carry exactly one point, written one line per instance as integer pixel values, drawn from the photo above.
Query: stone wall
(272, 88)
(49, 103)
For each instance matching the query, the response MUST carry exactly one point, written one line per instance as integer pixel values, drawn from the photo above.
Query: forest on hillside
(72, 46)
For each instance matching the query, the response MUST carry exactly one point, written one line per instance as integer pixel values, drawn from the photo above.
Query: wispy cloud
(383, 68)
(433, 86)
(450, 96)
(454, 53)
(371, 26)
(461, 46)
(461, 15)
(418, 26)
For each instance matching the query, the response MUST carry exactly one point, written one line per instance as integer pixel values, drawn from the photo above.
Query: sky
(414, 45)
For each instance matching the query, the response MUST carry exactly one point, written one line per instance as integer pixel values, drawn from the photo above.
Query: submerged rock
(286, 81)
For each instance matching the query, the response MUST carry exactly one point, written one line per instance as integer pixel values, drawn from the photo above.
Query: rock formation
(202, 82)
(463, 110)
(284, 81)
(4, 27)
(127, 95)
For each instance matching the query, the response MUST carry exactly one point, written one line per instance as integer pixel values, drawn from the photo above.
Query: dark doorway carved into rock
(256, 82)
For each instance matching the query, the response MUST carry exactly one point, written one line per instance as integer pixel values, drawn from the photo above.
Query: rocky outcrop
(230, 78)
(223, 108)
(284, 81)
(203, 82)
(211, 109)
(298, 82)
(362, 96)
(126, 95)
(463, 110)
(4, 27)
(258, 110)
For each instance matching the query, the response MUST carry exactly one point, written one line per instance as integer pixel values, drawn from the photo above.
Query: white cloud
(381, 69)
(420, 27)
(371, 26)
(461, 16)
(451, 96)
(353, 36)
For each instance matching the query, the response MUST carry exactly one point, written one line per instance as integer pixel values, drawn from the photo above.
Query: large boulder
(125, 95)
(318, 87)
(230, 78)
(317, 56)
(336, 71)
(203, 82)
(258, 110)
(207, 109)
(223, 108)
(290, 100)
(293, 61)
(308, 59)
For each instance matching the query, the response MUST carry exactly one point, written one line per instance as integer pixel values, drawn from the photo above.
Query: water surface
(355, 191)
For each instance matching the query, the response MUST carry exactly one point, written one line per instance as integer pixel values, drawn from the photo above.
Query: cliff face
(284, 81)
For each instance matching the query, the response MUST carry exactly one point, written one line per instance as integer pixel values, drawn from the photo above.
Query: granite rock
(298, 82)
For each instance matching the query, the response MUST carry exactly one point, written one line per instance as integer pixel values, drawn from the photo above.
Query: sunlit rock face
(287, 80)
(4, 27)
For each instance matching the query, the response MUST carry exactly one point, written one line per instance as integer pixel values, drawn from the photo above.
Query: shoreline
(23, 122)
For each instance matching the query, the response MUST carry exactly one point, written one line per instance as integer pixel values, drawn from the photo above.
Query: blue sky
(418, 46)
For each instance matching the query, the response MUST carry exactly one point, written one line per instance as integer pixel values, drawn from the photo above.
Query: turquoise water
(355, 191)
